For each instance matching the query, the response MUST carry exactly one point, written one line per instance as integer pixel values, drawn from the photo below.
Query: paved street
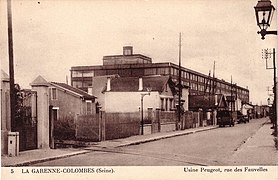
(221, 146)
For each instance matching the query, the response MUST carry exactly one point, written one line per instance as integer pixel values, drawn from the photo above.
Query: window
(163, 71)
(77, 84)
(171, 104)
(166, 104)
(88, 107)
(176, 72)
(191, 76)
(150, 71)
(88, 73)
(161, 103)
(194, 86)
(53, 93)
(187, 76)
(76, 74)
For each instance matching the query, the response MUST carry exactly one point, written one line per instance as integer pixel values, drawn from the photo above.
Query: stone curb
(163, 137)
(152, 139)
(136, 142)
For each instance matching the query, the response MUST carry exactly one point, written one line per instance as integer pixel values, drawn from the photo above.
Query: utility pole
(213, 93)
(11, 65)
(180, 86)
(213, 78)
(231, 97)
(265, 54)
(142, 115)
(275, 94)
(209, 90)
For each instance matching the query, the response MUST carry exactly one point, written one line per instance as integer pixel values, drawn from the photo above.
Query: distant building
(123, 94)
(68, 102)
(209, 105)
(209, 102)
(136, 65)
(57, 106)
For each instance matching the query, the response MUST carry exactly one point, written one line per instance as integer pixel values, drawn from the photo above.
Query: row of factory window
(145, 71)
(194, 78)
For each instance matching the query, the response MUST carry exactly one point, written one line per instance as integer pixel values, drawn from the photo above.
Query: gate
(26, 119)
(89, 127)
(106, 126)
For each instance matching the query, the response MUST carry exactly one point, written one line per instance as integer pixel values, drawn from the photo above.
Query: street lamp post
(142, 116)
(264, 11)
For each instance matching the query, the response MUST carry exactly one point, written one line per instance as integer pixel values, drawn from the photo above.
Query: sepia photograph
(145, 89)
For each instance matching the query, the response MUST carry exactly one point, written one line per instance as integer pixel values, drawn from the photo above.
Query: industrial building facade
(137, 65)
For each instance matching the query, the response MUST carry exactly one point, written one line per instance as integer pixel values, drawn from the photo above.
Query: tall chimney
(216, 102)
(108, 84)
(90, 90)
(140, 84)
(127, 50)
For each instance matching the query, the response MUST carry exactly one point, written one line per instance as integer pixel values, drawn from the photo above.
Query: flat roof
(121, 56)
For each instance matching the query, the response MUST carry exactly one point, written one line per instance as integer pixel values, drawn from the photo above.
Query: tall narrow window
(171, 104)
(161, 103)
(53, 93)
(88, 107)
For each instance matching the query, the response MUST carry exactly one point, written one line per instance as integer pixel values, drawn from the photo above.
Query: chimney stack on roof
(108, 88)
(140, 84)
(127, 50)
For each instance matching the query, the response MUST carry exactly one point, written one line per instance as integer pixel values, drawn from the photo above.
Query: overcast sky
(52, 36)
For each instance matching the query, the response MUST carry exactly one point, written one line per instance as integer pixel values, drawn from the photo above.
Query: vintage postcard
(149, 89)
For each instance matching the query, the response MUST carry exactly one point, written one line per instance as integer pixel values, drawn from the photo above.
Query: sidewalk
(259, 149)
(30, 157)
(41, 155)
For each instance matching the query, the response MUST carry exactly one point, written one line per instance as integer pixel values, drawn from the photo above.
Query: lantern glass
(264, 13)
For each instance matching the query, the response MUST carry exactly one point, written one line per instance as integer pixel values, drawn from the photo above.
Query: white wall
(5, 115)
(130, 101)
(185, 94)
